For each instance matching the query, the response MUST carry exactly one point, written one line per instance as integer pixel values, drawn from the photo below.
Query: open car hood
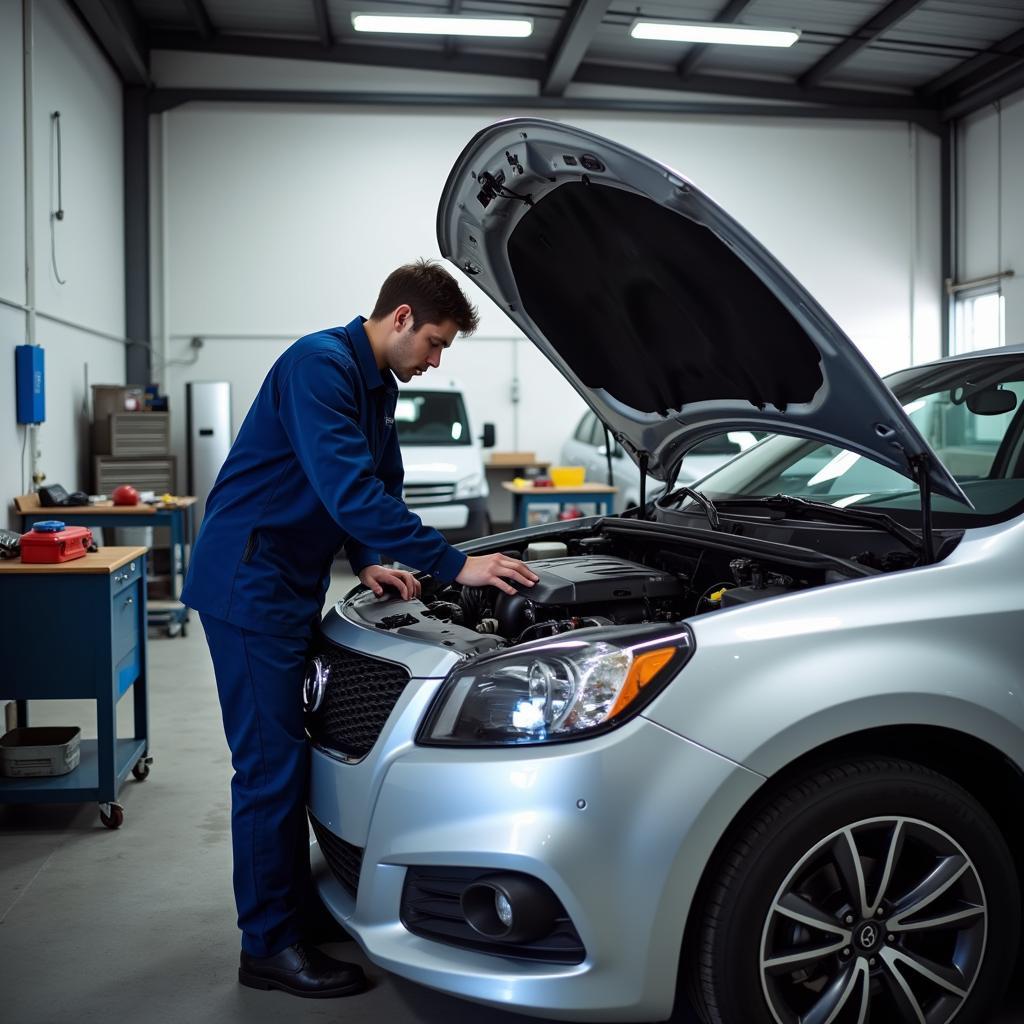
(669, 318)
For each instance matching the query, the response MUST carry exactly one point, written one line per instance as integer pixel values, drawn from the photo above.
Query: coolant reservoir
(545, 549)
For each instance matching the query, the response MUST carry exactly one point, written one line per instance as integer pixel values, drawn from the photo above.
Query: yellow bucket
(567, 476)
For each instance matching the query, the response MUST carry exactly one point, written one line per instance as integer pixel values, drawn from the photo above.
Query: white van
(445, 483)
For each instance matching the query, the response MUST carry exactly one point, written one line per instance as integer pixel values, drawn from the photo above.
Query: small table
(71, 630)
(599, 495)
(105, 514)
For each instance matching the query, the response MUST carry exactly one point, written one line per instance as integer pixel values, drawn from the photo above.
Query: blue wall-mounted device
(31, 383)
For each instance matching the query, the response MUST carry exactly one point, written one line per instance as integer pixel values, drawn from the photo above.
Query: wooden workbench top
(579, 489)
(28, 504)
(104, 561)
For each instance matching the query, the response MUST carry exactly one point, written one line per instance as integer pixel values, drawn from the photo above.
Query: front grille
(358, 698)
(344, 859)
(431, 908)
(427, 494)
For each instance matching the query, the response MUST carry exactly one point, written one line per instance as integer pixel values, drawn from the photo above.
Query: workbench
(75, 630)
(599, 495)
(106, 515)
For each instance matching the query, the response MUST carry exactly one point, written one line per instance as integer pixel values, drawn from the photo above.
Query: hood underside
(671, 321)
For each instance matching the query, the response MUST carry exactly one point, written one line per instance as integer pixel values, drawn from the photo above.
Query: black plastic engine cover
(594, 579)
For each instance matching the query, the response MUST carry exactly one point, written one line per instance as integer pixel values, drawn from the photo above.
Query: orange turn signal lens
(644, 668)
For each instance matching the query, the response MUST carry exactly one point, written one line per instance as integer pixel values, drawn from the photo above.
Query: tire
(884, 828)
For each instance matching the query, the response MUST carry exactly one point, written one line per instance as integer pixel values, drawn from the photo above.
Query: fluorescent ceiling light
(443, 25)
(737, 35)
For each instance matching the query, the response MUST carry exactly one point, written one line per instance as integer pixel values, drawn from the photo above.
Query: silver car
(758, 746)
(588, 447)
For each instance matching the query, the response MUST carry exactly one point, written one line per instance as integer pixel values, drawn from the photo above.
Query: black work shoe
(302, 970)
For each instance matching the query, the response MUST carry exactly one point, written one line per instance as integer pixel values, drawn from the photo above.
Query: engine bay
(619, 573)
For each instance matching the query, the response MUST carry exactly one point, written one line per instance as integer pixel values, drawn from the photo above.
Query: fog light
(509, 907)
(504, 908)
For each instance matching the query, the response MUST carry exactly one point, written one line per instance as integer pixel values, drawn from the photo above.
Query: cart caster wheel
(141, 768)
(184, 629)
(113, 816)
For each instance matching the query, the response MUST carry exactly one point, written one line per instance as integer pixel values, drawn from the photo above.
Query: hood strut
(608, 454)
(645, 458)
(920, 465)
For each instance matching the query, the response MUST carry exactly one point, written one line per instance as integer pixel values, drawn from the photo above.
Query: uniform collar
(372, 376)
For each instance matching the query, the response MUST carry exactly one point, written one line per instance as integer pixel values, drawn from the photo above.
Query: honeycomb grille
(358, 698)
(344, 859)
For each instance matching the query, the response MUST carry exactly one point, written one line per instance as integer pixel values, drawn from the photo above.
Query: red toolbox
(53, 541)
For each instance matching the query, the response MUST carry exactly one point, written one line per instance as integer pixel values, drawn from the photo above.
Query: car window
(585, 429)
(431, 417)
(971, 413)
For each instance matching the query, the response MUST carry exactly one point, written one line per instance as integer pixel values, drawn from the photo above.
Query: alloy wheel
(884, 920)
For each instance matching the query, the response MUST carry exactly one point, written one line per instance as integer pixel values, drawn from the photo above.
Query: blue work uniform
(315, 468)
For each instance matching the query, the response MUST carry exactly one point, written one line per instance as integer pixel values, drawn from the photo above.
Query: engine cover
(597, 579)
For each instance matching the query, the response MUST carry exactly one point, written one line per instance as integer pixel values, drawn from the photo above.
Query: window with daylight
(979, 321)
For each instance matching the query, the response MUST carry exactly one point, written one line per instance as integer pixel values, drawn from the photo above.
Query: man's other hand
(494, 570)
(376, 577)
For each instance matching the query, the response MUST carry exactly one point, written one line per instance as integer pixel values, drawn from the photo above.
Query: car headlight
(553, 690)
(470, 486)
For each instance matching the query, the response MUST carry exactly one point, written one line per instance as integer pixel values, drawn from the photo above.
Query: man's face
(413, 352)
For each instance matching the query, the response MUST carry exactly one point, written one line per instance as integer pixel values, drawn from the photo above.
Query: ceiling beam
(893, 12)
(116, 26)
(161, 100)
(999, 57)
(323, 23)
(758, 88)
(699, 51)
(535, 68)
(200, 18)
(575, 37)
(993, 91)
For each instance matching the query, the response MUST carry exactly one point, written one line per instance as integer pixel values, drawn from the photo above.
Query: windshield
(969, 410)
(431, 417)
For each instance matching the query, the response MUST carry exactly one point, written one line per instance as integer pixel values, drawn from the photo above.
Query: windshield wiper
(710, 510)
(806, 506)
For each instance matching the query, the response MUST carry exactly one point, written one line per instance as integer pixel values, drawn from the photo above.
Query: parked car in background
(587, 448)
(759, 747)
(445, 483)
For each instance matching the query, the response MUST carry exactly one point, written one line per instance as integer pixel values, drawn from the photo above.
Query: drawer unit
(125, 576)
(132, 435)
(157, 474)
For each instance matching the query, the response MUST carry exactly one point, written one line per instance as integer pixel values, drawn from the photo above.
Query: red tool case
(55, 543)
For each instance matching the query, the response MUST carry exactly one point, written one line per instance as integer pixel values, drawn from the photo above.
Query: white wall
(69, 74)
(990, 202)
(281, 220)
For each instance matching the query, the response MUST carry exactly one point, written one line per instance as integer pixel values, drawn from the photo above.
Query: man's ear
(402, 317)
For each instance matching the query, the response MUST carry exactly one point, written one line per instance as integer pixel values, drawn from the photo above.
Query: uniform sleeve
(391, 473)
(319, 413)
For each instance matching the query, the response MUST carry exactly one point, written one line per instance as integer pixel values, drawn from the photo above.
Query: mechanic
(315, 467)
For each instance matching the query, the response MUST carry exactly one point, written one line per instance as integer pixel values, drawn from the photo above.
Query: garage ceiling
(937, 59)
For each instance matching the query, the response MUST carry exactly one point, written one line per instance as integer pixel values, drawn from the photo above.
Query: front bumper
(619, 826)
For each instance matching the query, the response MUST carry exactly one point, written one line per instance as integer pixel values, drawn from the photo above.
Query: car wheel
(873, 891)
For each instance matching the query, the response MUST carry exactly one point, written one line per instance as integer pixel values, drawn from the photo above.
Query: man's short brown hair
(432, 293)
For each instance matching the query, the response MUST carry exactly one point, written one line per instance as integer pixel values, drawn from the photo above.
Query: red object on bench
(38, 546)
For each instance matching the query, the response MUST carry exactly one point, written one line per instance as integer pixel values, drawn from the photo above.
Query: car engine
(571, 592)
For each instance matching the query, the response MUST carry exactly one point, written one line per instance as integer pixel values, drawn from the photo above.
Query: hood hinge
(920, 465)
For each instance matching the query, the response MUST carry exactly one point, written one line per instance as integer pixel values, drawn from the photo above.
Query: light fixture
(443, 25)
(736, 35)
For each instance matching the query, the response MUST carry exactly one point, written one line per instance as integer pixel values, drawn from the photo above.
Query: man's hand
(493, 570)
(376, 577)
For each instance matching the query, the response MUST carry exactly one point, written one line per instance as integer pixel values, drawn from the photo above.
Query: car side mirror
(991, 402)
(487, 437)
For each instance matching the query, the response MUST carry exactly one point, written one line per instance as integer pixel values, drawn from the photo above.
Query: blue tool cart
(77, 629)
(177, 517)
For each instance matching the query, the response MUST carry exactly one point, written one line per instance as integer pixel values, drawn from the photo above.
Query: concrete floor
(139, 924)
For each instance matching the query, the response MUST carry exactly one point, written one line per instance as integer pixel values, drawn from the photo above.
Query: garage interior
(191, 185)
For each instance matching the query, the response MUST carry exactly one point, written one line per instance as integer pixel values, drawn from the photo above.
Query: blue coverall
(315, 467)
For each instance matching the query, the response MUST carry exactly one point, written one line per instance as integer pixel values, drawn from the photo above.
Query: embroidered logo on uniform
(389, 421)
